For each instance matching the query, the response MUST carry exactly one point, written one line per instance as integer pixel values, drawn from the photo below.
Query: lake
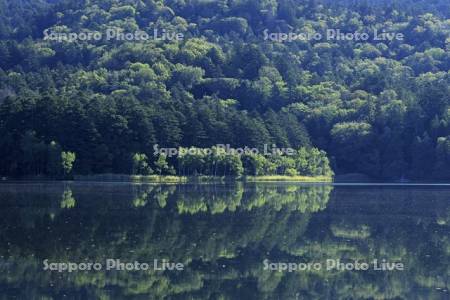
(224, 241)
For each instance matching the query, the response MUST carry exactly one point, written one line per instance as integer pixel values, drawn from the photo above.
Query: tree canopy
(379, 107)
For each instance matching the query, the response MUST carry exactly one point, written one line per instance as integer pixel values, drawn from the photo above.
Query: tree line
(379, 108)
(217, 161)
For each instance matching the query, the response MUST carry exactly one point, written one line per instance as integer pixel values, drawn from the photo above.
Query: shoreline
(202, 178)
(174, 179)
(170, 179)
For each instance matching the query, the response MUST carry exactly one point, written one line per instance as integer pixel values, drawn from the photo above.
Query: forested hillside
(377, 107)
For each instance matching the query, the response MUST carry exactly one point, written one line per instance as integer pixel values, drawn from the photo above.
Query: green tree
(140, 164)
(162, 166)
(67, 161)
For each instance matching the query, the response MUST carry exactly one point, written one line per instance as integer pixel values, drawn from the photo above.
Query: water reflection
(222, 234)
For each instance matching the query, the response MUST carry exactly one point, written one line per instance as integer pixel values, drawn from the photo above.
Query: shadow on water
(222, 234)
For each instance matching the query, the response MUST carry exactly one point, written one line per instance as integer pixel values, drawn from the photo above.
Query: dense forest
(88, 106)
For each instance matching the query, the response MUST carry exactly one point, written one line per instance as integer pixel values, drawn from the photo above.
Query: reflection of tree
(223, 246)
(208, 198)
(142, 194)
(343, 230)
(408, 232)
(158, 229)
(213, 199)
(141, 198)
(67, 201)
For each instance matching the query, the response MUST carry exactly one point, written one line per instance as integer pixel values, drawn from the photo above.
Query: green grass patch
(200, 179)
(296, 178)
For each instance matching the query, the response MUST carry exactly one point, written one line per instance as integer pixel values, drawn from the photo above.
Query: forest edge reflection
(222, 234)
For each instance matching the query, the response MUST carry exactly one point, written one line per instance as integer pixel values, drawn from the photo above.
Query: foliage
(222, 162)
(376, 107)
(140, 164)
(67, 160)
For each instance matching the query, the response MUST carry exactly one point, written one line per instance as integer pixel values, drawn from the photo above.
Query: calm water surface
(232, 241)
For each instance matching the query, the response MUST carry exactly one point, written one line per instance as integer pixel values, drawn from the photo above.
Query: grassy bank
(131, 178)
(184, 179)
(289, 178)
